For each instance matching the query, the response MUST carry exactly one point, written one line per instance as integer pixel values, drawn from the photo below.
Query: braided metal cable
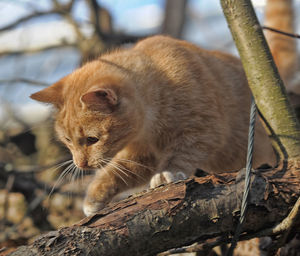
(247, 178)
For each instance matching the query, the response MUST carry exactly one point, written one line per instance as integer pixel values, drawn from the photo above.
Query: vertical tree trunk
(174, 17)
(264, 80)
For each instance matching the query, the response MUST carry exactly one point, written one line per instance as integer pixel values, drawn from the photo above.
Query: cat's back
(210, 91)
(165, 50)
(184, 63)
(198, 74)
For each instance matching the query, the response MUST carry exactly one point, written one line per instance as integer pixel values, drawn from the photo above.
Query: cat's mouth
(85, 167)
(90, 168)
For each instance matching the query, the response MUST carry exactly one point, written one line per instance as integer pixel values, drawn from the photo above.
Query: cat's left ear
(51, 94)
(101, 99)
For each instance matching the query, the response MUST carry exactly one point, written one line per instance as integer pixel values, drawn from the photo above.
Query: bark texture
(264, 80)
(175, 215)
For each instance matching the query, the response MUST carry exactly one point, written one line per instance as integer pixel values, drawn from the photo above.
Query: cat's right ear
(51, 94)
(101, 99)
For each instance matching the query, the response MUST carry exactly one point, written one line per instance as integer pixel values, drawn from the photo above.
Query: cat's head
(97, 112)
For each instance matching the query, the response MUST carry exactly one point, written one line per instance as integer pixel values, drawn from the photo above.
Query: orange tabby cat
(159, 110)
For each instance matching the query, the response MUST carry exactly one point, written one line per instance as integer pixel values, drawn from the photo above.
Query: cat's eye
(91, 140)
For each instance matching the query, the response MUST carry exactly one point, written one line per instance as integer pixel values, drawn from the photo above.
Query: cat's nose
(82, 164)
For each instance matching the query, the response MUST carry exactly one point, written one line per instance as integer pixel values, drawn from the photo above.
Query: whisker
(61, 175)
(115, 170)
(65, 173)
(136, 163)
(61, 164)
(81, 175)
(73, 174)
(118, 174)
(124, 170)
(130, 171)
(117, 166)
(76, 174)
(113, 164)
(60, 178)
(78, 170)
(72, 178)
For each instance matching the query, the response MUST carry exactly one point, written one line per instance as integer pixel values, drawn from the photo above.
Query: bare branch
(36, 50)
(174, 17)
(281, 32)
(22, 80)
(27, 18)
(59, 9)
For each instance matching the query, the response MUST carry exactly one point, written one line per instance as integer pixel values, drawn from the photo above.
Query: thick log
(175, 215)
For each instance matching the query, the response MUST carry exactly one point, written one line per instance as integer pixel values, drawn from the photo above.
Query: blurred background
(42, 41)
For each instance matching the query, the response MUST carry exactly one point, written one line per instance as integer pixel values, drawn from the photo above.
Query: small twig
(201, 249)
(290, 220)
(35, 50)
(3, 249)
(59, 9)
(281, 32)
(69, 18)
(26, 18)
(22, 80)
(285, 227)
(94, 17)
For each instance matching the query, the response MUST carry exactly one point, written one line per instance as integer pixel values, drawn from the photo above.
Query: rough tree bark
(200, 208)
(175, 215)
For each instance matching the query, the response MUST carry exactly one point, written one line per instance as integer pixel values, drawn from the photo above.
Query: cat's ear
(51, 94)
(101, 99)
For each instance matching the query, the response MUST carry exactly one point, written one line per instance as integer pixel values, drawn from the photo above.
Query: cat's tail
(279, 14)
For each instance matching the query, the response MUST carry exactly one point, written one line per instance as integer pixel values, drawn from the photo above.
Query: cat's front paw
(165, 177)
(91, 207)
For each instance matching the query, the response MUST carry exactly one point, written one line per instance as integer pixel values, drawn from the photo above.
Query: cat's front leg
(118, 176)
(100, 191)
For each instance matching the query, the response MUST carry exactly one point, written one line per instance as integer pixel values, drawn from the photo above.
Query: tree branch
(161, 219)
(174, 17)
(36, 50)
(22, 80)
(27, 18)
(58, 9)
